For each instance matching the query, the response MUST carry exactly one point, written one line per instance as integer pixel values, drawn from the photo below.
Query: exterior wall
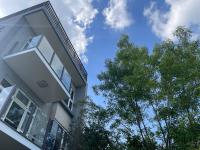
(79, 95)
(14, 34)
(21, 143)
(62, 117)
(7, 26)
(22, 32)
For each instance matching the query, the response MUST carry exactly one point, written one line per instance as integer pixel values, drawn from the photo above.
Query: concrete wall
(62, 117)
(81, 93)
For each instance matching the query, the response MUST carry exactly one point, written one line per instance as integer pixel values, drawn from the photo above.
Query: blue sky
(95, 26)
(152, 22)
(106, 38)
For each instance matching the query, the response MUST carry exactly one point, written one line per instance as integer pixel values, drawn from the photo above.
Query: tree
(164, 84)
(88, 131)
(127, 86)
(178, 65)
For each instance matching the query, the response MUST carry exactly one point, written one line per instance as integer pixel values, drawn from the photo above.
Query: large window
(46, 49)
(66, 79)
(57, 65)
(14, 115)
(56, 138)
(20, 112)
(24, 116)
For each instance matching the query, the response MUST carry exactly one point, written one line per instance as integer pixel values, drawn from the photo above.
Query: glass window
(26, 122)
(66, 79)
(57, 65)
(70, 105)
(51, 136)
(22, 98)
(56, 138)
(5, 83)
(64, 142)
(32, 108)
(14, 115)
(72, 95)
(33, 42)
(66, 101)
(5, 91)
(4, 95)
(47, 52)
(28, 118)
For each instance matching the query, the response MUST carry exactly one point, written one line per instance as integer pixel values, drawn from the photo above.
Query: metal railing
(64, 38)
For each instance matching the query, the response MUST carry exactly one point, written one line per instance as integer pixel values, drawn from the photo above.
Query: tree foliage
(88, 131)
(152, 99)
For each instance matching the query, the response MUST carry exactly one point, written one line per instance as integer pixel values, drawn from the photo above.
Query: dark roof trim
(52, 16)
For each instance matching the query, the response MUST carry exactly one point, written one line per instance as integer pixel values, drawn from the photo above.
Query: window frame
(21, 105)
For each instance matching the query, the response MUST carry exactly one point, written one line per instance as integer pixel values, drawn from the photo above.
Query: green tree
(127, 84)
(178, 67)
(159, 89)
(88, 131)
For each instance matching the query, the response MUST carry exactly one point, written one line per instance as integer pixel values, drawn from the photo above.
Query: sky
(95, 26)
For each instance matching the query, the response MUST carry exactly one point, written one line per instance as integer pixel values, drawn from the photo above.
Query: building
(41, 78)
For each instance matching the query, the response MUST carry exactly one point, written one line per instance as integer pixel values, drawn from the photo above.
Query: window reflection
(24, 116)
(66, 79)
(14, 115)
(46, 49)
(33, 42)
(57, 65)
(4, 94)
(57, 137)
(22, 98)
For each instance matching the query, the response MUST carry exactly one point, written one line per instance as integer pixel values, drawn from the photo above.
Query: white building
(41, 77)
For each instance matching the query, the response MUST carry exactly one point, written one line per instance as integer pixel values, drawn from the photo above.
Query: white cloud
(116, 14)
(75, 15)
(180, 13)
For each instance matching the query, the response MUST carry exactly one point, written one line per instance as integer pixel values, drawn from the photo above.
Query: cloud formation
(116, 14)
(75, 15)
(180, 13)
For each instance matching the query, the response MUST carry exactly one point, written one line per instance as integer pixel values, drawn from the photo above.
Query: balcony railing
(20, 113)
(45, 49)
(64, 38)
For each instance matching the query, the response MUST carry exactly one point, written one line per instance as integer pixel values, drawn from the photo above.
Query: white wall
(62, 117)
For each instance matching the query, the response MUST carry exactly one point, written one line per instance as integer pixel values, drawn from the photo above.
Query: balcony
(41, 69)
(54, 29)
(25, 126)
(22, 125)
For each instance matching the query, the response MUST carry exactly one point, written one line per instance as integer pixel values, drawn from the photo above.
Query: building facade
(41, 80)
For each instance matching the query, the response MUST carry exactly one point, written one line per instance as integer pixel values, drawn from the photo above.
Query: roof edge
(25, 10)
(80, 67)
